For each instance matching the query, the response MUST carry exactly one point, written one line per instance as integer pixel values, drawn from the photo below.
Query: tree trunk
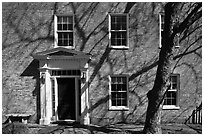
(156, 95)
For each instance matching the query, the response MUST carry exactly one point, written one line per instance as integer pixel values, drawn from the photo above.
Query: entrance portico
(63, 85)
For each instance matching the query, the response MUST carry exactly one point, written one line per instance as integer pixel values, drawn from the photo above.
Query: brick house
(90, 62)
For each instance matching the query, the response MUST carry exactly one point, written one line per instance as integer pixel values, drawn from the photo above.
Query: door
(66, 98)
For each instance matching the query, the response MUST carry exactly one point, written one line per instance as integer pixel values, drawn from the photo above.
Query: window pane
(124, 80)
(170, 98)
(65, 26)
(59, 26)
(124, 42)
(113, 80)
(118, 22)
(118, 102)
(65, 39)
(165, 101)
(65, 20)
(174, 79)
(119, 80)
(168, 95)
(113, 87)
(173, 101)
(59, 20)
(113, 38)
(124, 87)
(174, 86)
(113, 102)
(65, 23)
(70, 20)
(119, 91)
(113, 42)
(70, 26)
(173, 94)
(118, 38)
(119, 87)
(70, 43)
(168, 101)
(123, 19)
(113, 95)
(70, 39)
(124, 102)
(124, 95)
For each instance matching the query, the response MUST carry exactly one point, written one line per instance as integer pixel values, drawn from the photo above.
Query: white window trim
(127, 30)
(110, 102)
(160, 30)
(174, 107)
(56, 35)
(170, 107)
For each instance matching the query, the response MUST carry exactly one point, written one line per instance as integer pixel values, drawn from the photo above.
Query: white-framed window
(118, 92)
(64, 31)
(118, 31)
(171, 100)
(161, 28)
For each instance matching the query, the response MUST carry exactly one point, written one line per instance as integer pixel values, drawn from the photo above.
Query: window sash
(118, 92)
(170, 98)
(118, 30)
(119, 38)
(172, 95)
(65, 23)
(119, 22)
(65, 38)
(64, 31)
(65, 73)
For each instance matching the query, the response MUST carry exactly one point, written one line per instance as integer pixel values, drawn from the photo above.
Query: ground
(19, 128)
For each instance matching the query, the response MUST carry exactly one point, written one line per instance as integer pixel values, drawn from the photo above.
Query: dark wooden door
(66, 98)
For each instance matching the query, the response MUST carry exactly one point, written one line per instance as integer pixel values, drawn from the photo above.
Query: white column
(45, 97)
(48, 97)
(42, 97)
(85, 119)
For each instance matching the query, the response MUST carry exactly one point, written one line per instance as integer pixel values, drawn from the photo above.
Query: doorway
(66, 99)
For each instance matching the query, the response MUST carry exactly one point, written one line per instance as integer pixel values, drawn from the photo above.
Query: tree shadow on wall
(32, 71)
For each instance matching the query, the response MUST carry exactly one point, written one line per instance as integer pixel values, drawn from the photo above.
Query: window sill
(119, 47)
(119, 108)
(170, 107)
(68, 47)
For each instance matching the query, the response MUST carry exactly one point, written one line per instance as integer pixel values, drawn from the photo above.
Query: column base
(44, 121)
(85, 121)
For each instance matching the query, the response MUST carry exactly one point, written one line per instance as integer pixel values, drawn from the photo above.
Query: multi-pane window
(65, 73)
(118, 91)
(161, 28)
(64, 31)
(171, 98)
(118, 30)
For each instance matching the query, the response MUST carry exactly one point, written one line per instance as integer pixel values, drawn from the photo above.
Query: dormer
(64, 31)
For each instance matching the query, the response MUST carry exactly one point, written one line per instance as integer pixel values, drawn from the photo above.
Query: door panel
(66, 98)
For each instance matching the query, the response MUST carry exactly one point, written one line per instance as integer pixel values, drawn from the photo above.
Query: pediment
(60, 52)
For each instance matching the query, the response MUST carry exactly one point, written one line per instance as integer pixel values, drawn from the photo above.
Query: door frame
(76, 78)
